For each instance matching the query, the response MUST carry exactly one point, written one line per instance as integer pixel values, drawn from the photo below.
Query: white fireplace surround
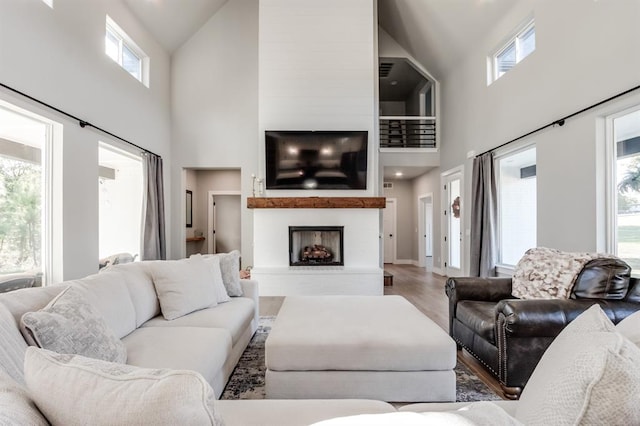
(360, 275)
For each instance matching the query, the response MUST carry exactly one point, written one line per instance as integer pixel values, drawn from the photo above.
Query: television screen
(316, 160)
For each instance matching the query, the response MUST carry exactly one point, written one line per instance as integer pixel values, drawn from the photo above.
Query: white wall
(584, 54)
(318, 63)
(57, 55)
(214, 108)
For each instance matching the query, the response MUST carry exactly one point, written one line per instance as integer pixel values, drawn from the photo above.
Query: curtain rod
(82, 123)
(560, 122)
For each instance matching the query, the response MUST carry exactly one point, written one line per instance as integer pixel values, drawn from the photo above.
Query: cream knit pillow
(589, 375)
(73, 390)
(183, 286)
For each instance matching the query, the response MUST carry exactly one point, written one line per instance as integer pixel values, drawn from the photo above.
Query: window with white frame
(515, 50)
(25, 170)
(516, 181)
(121, 48)
(624, 187)
(120, 185)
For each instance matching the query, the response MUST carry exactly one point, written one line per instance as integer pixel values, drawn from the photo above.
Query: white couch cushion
(216, 279)
(68, 324)
(119, 394)
(137, 277)
(230, 268)
(370, 333)
(16, 407)
(234, 316)
(183, 286)
(630, 328)
(476, 414)
(108, 293)
(204, 350)
(12, 347)
(294, 412)
(589, 375)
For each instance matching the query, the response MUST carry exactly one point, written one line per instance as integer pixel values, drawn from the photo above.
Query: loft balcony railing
(407, 132)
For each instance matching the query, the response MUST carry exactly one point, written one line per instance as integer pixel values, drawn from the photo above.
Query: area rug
(247, 380)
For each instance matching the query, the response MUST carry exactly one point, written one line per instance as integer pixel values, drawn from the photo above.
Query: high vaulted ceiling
(436, 32)
(172, 22)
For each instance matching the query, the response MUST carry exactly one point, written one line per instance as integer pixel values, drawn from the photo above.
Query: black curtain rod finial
(83, 123)
(560, 122)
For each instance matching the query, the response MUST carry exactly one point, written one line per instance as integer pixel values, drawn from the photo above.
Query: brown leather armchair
(509, 335)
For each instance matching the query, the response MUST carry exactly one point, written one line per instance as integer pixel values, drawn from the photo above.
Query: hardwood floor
(426, 291)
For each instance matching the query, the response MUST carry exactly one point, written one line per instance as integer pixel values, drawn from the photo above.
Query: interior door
(225, 228)
(428, 228)
(453, 219)
(389, 230)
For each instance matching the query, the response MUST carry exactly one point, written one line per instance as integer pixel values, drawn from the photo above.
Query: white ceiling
(438, 33)
(172, 22)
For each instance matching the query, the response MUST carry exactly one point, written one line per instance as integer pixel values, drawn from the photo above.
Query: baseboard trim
(404, 262)
(438, 271)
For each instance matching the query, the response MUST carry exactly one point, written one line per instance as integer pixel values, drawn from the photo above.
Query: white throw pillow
(589, 375)
(630, 328)
(230, 267)
(183, 286)
(70, 325)
(476, 414)
(16, 407)
(216, 278)
(74, 390)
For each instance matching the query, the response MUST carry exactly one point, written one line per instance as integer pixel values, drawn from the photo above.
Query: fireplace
(316, 246)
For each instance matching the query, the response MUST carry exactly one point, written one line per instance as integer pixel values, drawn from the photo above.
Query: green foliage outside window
(20, 216)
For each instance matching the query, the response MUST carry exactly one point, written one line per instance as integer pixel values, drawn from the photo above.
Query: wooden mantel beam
(316, 202)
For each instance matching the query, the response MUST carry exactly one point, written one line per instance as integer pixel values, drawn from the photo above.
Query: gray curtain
(484, 212)
(153, 221)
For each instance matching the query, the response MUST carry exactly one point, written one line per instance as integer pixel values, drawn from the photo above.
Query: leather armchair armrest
(473, 288)
(547, 317)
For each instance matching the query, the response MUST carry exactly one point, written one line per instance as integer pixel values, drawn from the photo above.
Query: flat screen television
(316, 159)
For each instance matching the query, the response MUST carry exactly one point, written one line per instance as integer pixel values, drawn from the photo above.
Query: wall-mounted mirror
(189, 199)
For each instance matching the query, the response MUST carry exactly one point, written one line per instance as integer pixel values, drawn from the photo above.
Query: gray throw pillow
(230, 268)
(70, 325)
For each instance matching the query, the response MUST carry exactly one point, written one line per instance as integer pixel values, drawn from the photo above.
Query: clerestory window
(515, 50)
(121, 48)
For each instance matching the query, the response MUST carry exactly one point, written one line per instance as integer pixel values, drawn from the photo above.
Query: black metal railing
(407, 132)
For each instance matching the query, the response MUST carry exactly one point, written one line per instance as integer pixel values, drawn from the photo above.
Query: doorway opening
(216, 211)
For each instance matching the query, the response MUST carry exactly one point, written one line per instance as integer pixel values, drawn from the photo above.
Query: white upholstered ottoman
(371, 347)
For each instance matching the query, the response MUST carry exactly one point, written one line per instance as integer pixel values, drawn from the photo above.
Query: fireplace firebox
(316, 246)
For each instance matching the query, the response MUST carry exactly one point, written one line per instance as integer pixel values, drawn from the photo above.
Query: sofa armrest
(250, 290)
(473, 288)
(547, 317)
(526, 328)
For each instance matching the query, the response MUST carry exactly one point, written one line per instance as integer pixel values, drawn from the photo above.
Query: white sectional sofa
(210, 341)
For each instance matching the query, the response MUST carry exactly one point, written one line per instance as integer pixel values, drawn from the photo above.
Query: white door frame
(423, 200)
(210, 211)
(445, 178)
(394, 231)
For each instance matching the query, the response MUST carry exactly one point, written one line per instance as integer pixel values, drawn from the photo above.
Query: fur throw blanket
(545, 273)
